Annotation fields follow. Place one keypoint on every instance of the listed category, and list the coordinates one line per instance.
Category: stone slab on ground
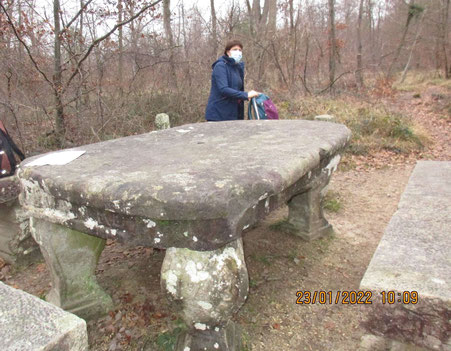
(29, 323)
(414, 255)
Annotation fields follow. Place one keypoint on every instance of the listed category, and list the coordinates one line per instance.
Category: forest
(78, 72)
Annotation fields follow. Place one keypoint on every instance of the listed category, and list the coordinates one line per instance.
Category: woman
(227, 95)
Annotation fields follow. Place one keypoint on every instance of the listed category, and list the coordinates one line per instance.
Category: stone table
(192, 190)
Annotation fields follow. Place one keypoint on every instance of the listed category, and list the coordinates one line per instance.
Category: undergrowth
(419, 80)
(373, 126)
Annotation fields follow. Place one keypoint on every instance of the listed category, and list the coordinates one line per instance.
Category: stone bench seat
(414, 255)
(192, 190)
(29, 323)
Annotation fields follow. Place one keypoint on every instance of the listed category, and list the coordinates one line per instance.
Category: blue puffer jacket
(227, 91)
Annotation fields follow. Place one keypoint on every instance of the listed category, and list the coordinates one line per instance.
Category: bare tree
(214, 30)
(406, 67)
(121, 46)
(358, 73)
(57, 75)
(413, 11)
(444, 35)
(332, 42)
(56, 82)
(170, 39)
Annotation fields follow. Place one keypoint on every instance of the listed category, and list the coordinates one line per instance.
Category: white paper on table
(57, 158)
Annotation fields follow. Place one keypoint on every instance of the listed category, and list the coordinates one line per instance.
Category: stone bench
(29, 323)
(16, 244)
(414, 255)
(192, 190)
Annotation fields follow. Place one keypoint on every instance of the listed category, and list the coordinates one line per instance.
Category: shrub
(373, 126)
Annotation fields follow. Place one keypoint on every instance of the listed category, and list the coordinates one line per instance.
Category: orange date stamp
(354, 297)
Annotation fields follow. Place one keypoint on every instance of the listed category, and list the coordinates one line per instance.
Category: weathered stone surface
(162, 121)
(16, 244)
(28, 323)
(72, 258)
(209, 287)
(178, 186)
(414, 255)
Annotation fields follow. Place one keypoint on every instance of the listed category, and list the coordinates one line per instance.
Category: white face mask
(236, 55)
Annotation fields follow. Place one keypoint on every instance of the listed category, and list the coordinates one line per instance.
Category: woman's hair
(230, 44)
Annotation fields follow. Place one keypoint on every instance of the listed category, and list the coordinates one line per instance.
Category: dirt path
(279, 265)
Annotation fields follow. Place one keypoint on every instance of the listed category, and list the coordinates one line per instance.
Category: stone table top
(195, 186)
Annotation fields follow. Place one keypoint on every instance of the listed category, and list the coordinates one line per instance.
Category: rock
(162, 121)
(29, 323)
(325, 118)
(372, 343)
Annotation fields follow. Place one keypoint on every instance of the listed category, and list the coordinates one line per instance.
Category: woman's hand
(252, 94)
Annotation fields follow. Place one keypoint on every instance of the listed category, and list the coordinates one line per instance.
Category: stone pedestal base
(209, 287)
(305, 216)
(17, 247)
(72, 258)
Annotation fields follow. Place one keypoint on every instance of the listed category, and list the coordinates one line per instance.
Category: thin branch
(11, 109)
(102, 38)
(66, 27)
(25, 46)
(331, 84)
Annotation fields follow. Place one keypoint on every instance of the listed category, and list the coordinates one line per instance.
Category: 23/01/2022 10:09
(353, 297)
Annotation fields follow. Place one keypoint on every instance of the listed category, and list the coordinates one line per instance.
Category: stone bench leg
(72, 257)
(209, 286)
(305, 210)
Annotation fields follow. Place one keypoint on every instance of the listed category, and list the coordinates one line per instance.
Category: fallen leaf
(41, 267)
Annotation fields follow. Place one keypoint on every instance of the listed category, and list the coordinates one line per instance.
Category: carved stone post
(209, 286)
(16, 244)
(72, 258)
(305, 210)
(162, 121)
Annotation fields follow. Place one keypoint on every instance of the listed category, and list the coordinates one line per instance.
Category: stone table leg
(72, 258)
(305, 210)
(209, 286)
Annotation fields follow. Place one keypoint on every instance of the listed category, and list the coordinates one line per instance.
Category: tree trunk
(170, 38)
(251, 18)
(401, 43)
(358, 73)
(332, 42)
(214, 31)
(272, 18)
(406, 68)
(120, 72)
(445, 42)
(185, 46)
(57, 77)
